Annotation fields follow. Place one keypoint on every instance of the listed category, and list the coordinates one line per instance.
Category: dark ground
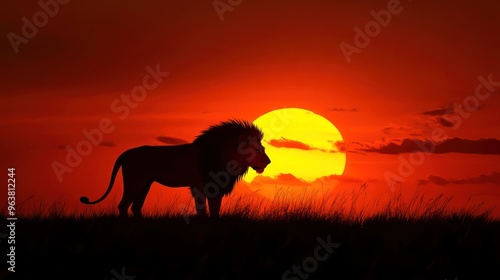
(242, 248)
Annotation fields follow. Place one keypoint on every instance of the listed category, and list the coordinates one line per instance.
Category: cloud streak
(343, 110)
(492, 178)
(171, 140)
(294, 144)
(401, 130)
(108, 144)
(281, 179)
(290, 144)
(288, 179)
(483, 146)
(444, 122)
(438, 112)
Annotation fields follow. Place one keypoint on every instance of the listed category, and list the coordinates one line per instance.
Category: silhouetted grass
(420, 239)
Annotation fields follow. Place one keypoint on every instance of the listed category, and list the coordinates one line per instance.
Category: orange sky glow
(128, 73)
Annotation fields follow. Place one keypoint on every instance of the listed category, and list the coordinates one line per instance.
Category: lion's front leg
(200, 202)
(214, 206)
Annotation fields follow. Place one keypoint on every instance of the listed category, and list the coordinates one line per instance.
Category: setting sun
(301, 145)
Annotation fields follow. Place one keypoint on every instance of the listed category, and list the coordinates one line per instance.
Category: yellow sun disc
(301, 143)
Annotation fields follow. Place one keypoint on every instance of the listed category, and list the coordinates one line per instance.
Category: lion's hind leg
(139, 200)
(125, 203)
(133, 187)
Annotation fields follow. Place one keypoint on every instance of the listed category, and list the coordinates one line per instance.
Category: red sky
(264, 55)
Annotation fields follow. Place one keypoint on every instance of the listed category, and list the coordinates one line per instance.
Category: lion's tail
(116, 167)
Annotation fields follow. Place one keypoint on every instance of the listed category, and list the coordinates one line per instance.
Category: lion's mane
(218, 145)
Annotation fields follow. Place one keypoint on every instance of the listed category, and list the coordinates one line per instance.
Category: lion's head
(232, 147)
(254, 154)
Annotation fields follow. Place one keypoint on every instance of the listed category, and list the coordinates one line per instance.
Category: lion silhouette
(210, 166)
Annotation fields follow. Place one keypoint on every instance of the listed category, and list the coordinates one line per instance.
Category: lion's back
(161, 160)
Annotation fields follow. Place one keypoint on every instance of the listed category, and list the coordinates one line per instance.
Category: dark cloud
(438, 112)
(492, 178)
(103, 143)
(108, 144)
(343, 110)
(446, 110)
(294, 144)
(290, 144)
(171, 140)
(481, 146)
(351, 147)
(340, 145)
(281, 179)
(387, 130)
(438, 180)
(444, 122)
(401, 130)
(342, 179)
(291, 180)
